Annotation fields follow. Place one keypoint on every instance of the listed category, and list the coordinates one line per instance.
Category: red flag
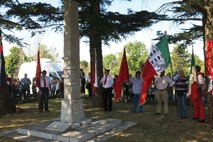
(148, 72)
(209, 58)
(122, 77)
(93, 76)
(38, 70)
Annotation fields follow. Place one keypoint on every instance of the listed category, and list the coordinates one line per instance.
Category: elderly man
(162, 83)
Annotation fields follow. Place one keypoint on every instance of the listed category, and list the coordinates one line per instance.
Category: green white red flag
(192, 91)
(158, 61)
(122, 77)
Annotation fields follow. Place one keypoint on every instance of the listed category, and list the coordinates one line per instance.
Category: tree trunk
(209, 36)
(6, 103)
(96, 46)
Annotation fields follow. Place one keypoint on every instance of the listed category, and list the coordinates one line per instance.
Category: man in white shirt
(162, 83)
(107, 84)
(44, 91)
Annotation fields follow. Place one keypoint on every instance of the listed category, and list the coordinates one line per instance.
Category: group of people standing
(18, 88)
(162, 84)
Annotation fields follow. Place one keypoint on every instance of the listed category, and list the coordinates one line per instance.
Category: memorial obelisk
(72, 106)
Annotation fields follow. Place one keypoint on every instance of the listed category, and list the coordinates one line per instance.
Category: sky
(54, 40)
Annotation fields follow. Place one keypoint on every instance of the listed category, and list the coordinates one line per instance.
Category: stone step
(115, 131)
(79, 134)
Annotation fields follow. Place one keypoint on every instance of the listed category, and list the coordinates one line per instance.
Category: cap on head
(107, 70)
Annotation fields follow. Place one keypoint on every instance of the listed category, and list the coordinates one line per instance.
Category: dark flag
(38, 70)
(2, 64)
(122, 77)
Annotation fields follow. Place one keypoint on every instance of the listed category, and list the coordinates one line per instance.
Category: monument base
(100, 130)
(72, 111)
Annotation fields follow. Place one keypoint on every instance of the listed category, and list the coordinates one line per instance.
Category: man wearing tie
(107, 84)
(44, 91)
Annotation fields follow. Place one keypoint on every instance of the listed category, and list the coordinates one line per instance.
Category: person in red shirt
(198, 106)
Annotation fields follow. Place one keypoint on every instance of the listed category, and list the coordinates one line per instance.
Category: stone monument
(72, 111)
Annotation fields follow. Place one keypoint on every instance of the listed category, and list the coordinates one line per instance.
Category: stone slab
(58, 126)
(96, 131)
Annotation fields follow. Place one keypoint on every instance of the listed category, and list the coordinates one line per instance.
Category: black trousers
(43, 99)
(107, 99)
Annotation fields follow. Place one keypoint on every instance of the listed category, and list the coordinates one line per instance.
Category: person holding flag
(196, 81)
(107, 84)
(44, 88)
(158, 61)
(137, 83)
(199, 113)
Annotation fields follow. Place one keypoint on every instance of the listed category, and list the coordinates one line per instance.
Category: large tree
(190, 10)
(96, 23)
(6, 103)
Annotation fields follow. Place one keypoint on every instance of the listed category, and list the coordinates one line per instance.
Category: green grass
(150, 127)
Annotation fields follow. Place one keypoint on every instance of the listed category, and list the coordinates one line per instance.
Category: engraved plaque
(77, 108)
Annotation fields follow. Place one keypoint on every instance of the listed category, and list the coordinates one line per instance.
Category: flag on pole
(192, 91)
(94, 78)
(122, 77)
(38, 69)
(209, 58)
(2, 63)
(158, 61)
(209, 64)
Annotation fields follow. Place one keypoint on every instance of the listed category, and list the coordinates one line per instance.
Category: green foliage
(84, 65)
(180, 59)
(13, 61)
(111, 62)
(136, 55)
(182, 12)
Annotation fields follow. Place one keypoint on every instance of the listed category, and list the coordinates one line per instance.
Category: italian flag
(158, 61)
(192, 91)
